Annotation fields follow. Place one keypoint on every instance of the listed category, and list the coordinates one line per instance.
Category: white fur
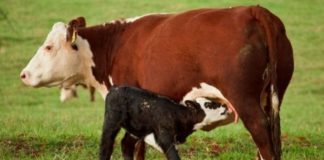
(133, 19)
(205, 90)
(111, 80)
(150, 139)
(62, 65)
(261, 156)
(211, 115)
(275, 100)
(209, 91)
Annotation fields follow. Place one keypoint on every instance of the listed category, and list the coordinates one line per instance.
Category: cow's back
(169, 54)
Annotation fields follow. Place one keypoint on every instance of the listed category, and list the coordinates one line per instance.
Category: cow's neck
(103, 40)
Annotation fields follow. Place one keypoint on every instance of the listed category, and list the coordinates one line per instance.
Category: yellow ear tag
(73, 37)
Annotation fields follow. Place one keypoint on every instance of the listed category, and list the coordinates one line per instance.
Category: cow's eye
(48, 47)
(212, 105)
(74, 46)
(208, 105)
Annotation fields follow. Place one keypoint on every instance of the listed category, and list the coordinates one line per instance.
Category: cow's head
(62, 59)
(215, 114)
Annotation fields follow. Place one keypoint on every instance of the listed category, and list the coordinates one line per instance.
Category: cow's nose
(24, 74)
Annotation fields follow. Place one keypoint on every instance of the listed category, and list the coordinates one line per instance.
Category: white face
(212, 115)
(56, 62)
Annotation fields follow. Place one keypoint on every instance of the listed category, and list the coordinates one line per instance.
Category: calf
(158, 120)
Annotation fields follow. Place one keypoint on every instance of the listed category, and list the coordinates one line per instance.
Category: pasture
(34, 124)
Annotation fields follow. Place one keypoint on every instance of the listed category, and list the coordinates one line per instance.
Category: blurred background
(34, 124)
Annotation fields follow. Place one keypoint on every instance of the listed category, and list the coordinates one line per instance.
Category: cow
(160, 121)
(243, 50)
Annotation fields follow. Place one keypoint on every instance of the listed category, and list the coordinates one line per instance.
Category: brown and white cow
(243, 51)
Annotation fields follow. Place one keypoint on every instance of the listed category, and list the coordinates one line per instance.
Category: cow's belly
(174, 73)
(174, 78)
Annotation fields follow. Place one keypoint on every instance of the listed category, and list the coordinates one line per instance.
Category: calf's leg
(140, 150)
(107, 142)
(111, 127)
(128, 146)
(166, 142)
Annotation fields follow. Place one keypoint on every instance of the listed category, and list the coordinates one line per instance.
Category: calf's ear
(191, 104)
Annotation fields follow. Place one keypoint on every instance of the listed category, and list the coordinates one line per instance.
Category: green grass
(35, 125)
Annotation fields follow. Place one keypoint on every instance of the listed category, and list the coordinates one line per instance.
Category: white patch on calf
(211, 115)
(145, 105)
(150, 139)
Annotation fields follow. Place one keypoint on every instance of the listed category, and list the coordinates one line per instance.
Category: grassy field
(35, 125)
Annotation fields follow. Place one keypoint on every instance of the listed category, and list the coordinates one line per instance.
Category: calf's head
(63, 59)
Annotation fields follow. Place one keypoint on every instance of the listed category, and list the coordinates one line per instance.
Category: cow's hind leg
(257, 124)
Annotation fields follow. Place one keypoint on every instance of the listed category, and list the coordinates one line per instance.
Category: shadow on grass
(22, 146)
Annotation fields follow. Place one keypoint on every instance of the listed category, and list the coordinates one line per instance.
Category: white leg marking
(261, 156)
(275, 100)
(150, 139)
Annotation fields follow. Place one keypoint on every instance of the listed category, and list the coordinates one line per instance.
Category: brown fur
(103, 42)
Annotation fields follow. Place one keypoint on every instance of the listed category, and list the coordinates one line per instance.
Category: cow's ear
(78, 22)
(72, 30)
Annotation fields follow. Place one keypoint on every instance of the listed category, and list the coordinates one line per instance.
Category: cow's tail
(273, 29)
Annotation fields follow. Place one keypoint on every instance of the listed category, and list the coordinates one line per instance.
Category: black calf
(158, 120)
